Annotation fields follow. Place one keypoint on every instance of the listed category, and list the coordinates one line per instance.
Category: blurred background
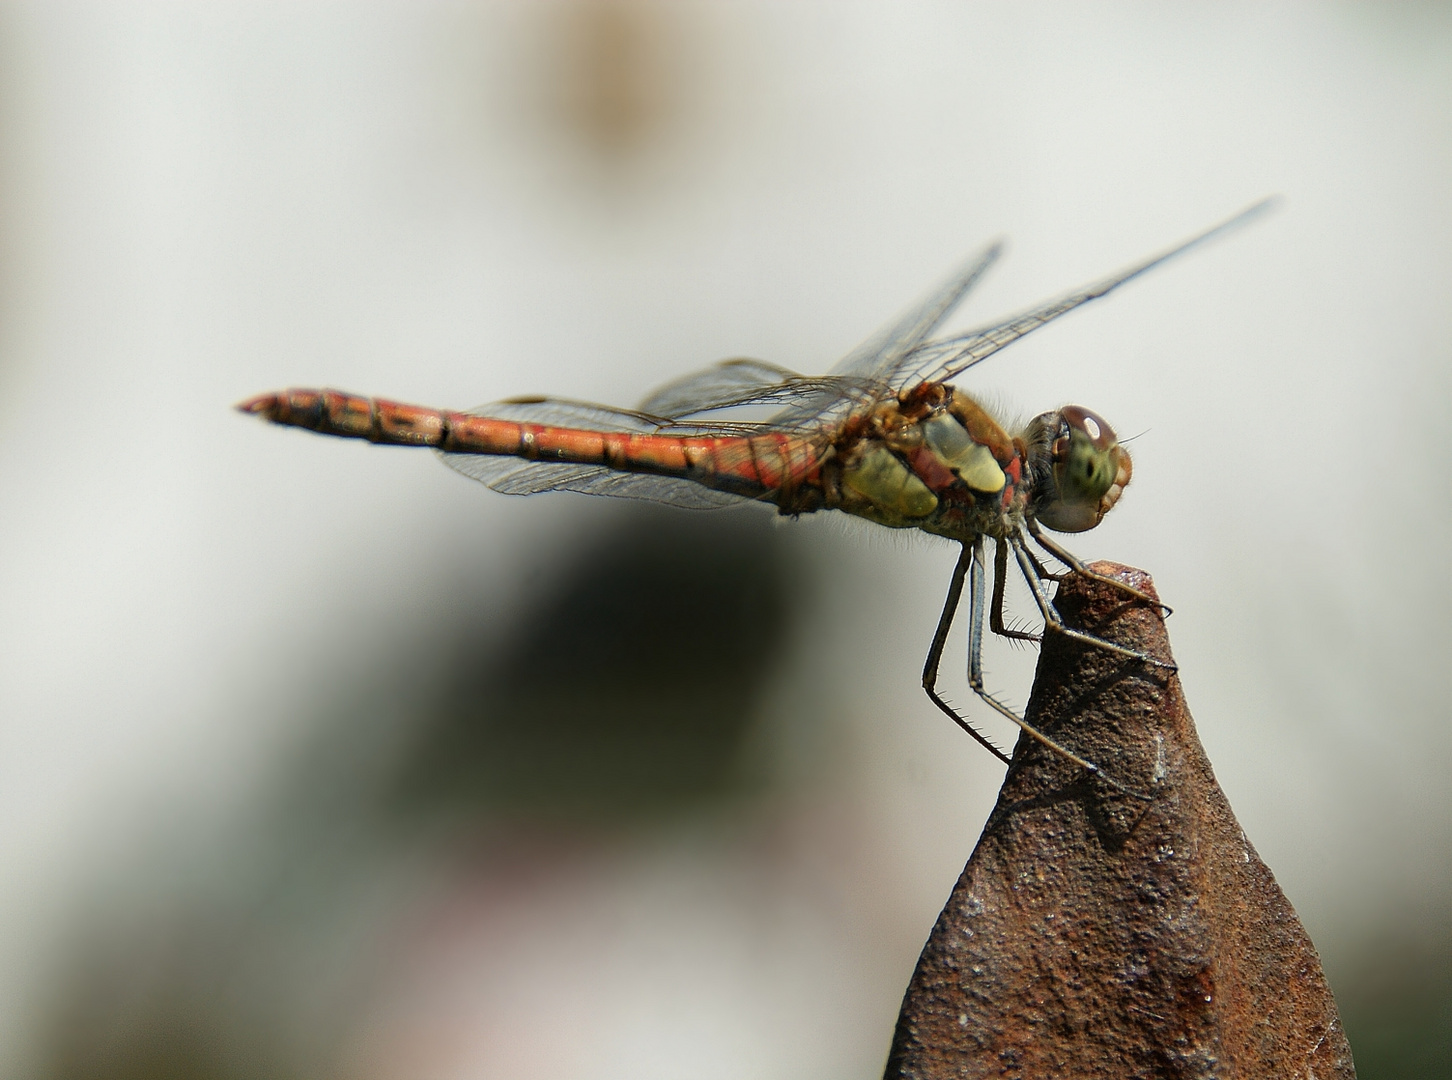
(318, 760)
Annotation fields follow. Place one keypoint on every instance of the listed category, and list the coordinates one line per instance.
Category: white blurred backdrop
(225, 646)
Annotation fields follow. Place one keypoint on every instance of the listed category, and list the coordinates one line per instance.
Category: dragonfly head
(1082, 469)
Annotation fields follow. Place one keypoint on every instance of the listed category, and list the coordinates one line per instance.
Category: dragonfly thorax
(936, 460)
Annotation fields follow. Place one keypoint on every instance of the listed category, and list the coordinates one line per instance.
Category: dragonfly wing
(744, 384)
(720, 386)
(562, 412)
(941, 361)
(513, 476)
(880, 354)
(811, 401)
(864, 375)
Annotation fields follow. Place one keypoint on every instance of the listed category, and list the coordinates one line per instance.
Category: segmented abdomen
(749, 465)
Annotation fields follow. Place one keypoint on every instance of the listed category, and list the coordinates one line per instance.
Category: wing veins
(945, 359)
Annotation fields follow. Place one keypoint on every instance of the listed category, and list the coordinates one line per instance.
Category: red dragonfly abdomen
(750, 465)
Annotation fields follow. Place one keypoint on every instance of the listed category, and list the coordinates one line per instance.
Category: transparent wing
(562, 412)
(724, 385)
(738, 384)
(880, 354)
(516, 476)
(808, 400)
(865, 375)
(941, 361)
(513, 476)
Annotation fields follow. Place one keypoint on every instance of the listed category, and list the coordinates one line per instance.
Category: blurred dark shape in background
(629, 688)
(613, 98)
(624, 698)
(1396, 1001)
(613, 83)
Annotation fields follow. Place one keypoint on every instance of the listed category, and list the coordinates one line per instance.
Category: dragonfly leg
(1045, 574)
(1069, 559)
(977, 594)
(1051, 617)
(995, 613)
(940, 639)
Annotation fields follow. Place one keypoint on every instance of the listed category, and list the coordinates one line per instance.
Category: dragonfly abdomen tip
(262, 405)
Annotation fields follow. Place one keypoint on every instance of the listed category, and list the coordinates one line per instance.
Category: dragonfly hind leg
(977, 594)
(995, 612)
(935, 652)
(970, 565)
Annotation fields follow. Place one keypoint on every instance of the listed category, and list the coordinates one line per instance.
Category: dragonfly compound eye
(1090, 471)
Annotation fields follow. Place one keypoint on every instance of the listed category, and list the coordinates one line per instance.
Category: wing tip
(1270, 204)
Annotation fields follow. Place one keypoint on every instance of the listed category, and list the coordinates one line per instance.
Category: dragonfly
(884, 436)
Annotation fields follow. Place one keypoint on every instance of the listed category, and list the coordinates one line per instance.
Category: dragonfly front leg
(940, 639)
(995, 613)
(1051, 617)
(1069, 559)
(1045, 574)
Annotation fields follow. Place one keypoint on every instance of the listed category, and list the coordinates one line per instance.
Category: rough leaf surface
(1096, 935)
